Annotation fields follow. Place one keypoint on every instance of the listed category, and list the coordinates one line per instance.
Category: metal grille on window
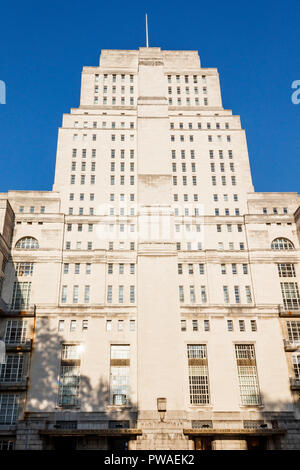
(119, 374)
(198, 374)
(247, 372)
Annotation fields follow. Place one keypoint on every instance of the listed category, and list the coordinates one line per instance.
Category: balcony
(295, 383)
(21, 385)
(22, 347)
(290, 346)
(293, 311)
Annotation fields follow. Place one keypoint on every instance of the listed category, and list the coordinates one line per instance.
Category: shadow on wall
(50, 361)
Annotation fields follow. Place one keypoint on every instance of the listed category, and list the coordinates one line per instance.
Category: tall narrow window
(192, 294)
(68, 392)
(198, 374)
(181, 294)
(119, 374)
(109, 294)
(247, 373)
(8, 408)
(248, 294)
(121, 294)
(21, 295)
(75, 294)
(226, 294)
(132, 294)
(290, 295)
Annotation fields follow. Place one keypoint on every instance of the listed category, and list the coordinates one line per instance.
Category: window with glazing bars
(24, 269)
(119, 374)
(12, 370)
(198, 374)
(286, 270)
(296, 365)
(15, 331)
(8, 408)
(290, 295)
(69, 381)
(247, 373)
(21, 295)
(293, 329)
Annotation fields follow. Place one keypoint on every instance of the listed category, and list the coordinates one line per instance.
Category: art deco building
(150, 301)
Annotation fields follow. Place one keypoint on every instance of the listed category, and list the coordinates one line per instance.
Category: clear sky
(44, 45)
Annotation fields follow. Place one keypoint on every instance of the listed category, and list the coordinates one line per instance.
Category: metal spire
(147, 39)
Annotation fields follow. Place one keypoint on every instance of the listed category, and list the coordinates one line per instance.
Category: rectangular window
(229, 325)
(12, 370)
(290, 295)
(248, 294)
(198, 374)
(68, 392)
(237, 294)
(8, 408)
(24, 269)
(75, 294)
(109, 294)
(286, 270)
(192, 294)
(119, 374)
(121, 294)
(247, 373)
(195, 325)
(21, 295)
(64, 294)
(132, 294)
(181, 294)
(242, 325)
(226, 294)
(253, 325)
(86, 294)
(203, 295)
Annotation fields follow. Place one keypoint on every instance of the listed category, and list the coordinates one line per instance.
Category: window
(242, 325)
(203, 294)
(286, 270)
(247, 373)
(27, 243)
(282, 244)
(290, 295)
(68, 392)
(12, 370)
(75, 294)
(253, 325)
(206, 325)
(296, 365)
(86, 294)
(201, 268)
(248, 294)
(195, 325)
(237, 294)
(61, 325)
(226, 294)
(16, 331)
(229, 325)
(119, 374)
(121, 294)
(8, 408)
(198, 374)
(245, 268)
(24, 269)
(132, 294)
(21, 295)
(181, 294)
(64, 294)
(223, 268)
(192, 294)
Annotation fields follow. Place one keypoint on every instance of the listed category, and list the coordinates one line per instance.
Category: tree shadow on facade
(87, 420)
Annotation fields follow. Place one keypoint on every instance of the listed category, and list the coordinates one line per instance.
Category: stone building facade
(151, 300)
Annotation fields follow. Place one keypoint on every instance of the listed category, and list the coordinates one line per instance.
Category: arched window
(282, 244)
(27, 243)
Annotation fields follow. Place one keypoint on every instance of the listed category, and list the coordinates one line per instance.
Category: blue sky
(44, 45)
